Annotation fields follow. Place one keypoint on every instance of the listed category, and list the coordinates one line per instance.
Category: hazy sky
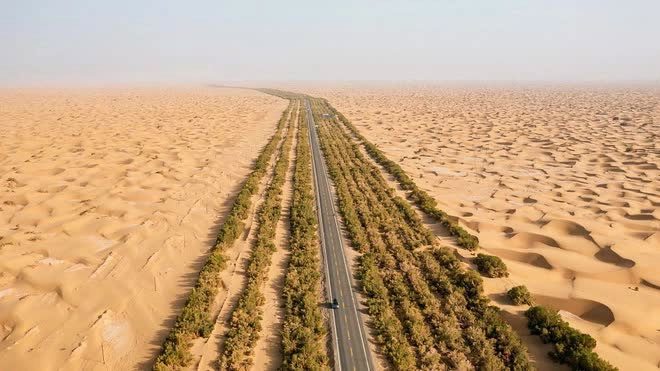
(124, 41)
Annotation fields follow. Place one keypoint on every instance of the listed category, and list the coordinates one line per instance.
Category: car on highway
(335, 303)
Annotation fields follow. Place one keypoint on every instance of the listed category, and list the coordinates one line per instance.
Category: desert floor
(109, 200)
(561, 182)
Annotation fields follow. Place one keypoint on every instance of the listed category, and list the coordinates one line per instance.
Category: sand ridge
(561, 182)
(109, 200)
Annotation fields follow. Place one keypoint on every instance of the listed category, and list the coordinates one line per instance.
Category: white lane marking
(322, 235)
(341, 243)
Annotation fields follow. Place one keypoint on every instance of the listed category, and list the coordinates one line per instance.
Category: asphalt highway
(349, 340)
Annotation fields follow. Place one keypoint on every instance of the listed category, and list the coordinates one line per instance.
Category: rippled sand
(563, 183)
(109, 200)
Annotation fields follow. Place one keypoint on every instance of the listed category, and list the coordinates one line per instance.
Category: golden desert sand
(562, 183)
(109, 200)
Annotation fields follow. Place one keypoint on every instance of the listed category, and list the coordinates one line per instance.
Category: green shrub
(570, 346)
(508, 345)
(491, 266)
(519, 295)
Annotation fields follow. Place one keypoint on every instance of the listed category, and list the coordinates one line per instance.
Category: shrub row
(463, 290)
(245, 322)
(303, 330)
(491, 266)
(427, 312)
(195, 318)
(569, 346)
(387, 233)
(387, 326)
(446, 279)
(422, 199)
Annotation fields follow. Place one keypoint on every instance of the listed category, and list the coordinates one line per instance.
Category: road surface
(349, 340)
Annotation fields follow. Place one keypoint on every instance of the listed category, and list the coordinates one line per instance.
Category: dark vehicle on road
(335, 303)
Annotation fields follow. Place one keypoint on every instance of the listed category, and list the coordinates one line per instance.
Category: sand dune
(563, 183)
(109, 200)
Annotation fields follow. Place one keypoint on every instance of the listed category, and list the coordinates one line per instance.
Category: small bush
(519, 295)
(491, 266)
(570, 346)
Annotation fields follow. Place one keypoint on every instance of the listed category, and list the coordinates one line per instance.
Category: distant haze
(89, 42)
